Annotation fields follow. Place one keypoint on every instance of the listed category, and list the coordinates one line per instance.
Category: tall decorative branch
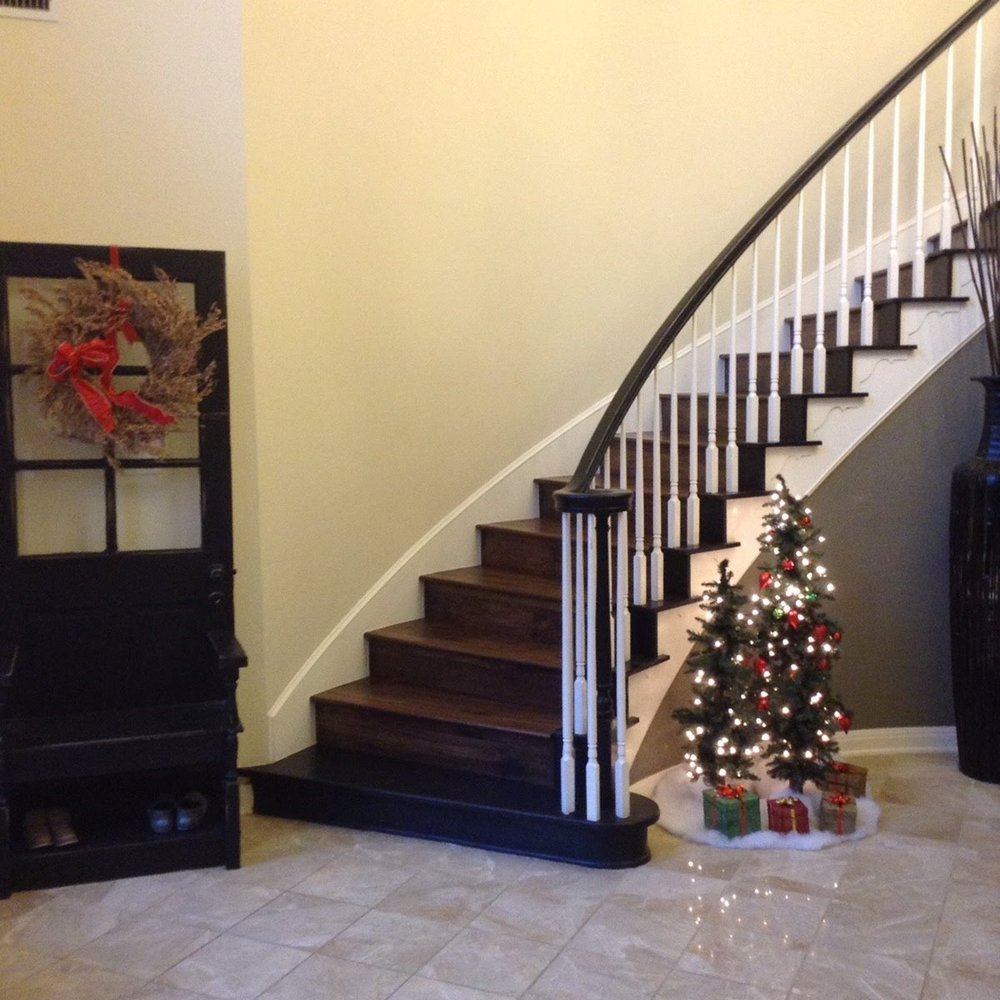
(981, 225)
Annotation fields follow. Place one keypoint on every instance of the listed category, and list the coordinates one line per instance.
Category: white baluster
(622, 558)
(580, 647)
(918, 237)
(567, 773)
(639, 558)
(867, 305)
(819, 351)
(774, 397)
(712, 447)
(656, 553)
(797, 352)
(621, 676)
(753, 430)
(674, 503)
(732, 449)
(693, 501)
(844, 302)
(892, 274)
(944, 241)
(593, 769)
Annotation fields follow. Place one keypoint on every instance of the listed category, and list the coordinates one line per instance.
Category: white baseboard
(867, 743)
(902, 739)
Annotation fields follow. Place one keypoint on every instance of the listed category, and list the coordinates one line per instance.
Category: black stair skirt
(375, 793)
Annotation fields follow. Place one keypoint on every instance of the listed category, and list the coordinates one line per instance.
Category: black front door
(114, 564)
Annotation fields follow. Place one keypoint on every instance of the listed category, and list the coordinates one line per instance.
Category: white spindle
(593, 769)
(819, 350)
(656, 552)
(621, 674)
(753, 430)
(693, 502)
(797, 352)
(892, 274)
(712, 447)
(774, 397)
(732, 449)
(567, 773)
(867, 305)
(674, 503)
(639, 559)
(844, 302)
(622, 553)
(918, 237)
(944, 241)
(580, 646)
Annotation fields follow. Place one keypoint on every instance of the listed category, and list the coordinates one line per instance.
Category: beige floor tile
(490, 961)
(546, 916)
(70, 979)
(321, 977)
(440, 895)
(356, 877)
(857, 975)
(58, 927)
(215, 902)
(393, 940)
(233, 968)
(144, 947)
(684, 986)
(567, 978)
(299, 921)
(417, 988)
(157, 991)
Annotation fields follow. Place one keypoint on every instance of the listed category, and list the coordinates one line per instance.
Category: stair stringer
(937, 330)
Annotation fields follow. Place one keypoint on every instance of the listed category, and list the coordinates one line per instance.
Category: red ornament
(836, 637)
(845, 724)
(762, 704)
(764, 580)
(819, 633)
(807, 520)
(788, 565)
(759, 666)
(794, 618)
(824, 664)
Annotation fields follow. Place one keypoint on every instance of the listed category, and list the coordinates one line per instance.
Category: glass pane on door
(159, 509)
(60, 511)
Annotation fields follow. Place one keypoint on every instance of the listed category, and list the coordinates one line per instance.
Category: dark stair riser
(839, 372)
(537, 554)
(485, 819)
(516, 756)
(794, 410)
(488, 677)
(493, 611)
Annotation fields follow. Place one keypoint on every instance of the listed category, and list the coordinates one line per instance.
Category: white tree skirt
(682, 813)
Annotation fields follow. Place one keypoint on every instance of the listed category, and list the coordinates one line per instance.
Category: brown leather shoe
(63, 834)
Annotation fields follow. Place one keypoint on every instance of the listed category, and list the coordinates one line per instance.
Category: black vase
(975, 598)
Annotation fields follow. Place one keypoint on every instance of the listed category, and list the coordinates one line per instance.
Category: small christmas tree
(796, 644)
(720, 726)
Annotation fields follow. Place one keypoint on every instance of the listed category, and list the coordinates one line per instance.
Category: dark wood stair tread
(506, 581)
(393, 698)
(453, 639)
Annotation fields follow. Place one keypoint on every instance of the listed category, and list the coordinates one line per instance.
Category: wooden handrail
(614, 415)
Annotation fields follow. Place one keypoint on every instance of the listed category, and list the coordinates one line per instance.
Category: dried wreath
(72, 349)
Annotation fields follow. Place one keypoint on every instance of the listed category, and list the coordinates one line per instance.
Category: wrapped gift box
(787, 815)
(732, 810)
(838, 813)
(848, 779)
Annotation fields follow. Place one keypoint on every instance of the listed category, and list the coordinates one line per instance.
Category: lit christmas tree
(720, 726)
(796, 644)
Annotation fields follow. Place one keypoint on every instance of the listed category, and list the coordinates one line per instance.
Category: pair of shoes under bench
(49, 828)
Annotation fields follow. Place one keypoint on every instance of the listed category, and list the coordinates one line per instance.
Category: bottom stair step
(374, 793)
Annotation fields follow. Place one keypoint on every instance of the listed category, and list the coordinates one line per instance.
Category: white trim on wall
(899, 739)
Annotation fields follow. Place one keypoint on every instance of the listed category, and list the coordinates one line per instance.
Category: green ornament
(812, 596)
(778, 613)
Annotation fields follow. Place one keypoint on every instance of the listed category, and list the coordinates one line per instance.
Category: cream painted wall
(123, 123)
(466, 218)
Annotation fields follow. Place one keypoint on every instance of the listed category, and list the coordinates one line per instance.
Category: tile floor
(912, 913)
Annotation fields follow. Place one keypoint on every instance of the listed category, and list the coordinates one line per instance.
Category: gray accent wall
(884, 513)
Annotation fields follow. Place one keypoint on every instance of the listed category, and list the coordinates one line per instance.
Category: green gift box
(838, 813)
(848, 779)
(732, 810)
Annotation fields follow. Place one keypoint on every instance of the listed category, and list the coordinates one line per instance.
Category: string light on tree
(722, 728)
(797, 641)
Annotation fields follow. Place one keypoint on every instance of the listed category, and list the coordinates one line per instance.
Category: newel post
(604, 707)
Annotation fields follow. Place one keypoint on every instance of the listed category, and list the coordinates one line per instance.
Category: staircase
(459, 732)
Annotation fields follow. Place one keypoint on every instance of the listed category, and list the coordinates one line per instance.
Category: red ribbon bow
(839, 800)
(731, 791)
(99, 357)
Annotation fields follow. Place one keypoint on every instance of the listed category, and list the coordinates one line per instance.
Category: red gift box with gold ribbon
(787, 815)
